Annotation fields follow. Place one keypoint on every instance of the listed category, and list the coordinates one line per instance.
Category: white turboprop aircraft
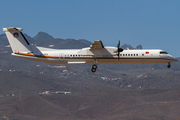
(95, 54)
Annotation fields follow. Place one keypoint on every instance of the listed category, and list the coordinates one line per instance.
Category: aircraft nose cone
(174, 59)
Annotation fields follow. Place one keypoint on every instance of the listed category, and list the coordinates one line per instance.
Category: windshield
(163, 52)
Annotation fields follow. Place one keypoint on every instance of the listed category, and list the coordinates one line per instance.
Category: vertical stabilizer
(17, 40)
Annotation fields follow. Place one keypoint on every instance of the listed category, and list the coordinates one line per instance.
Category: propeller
(119, 49)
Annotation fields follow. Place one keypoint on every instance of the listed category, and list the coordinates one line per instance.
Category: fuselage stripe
(43, 56)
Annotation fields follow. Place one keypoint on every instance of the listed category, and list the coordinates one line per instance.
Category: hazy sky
(151, 23)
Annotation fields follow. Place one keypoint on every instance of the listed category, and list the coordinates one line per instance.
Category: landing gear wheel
(169, 65)
(93, 70)
(94, 66)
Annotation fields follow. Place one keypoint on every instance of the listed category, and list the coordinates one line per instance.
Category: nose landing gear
(169, 65)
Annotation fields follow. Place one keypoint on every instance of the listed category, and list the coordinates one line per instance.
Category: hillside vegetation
(114, 92)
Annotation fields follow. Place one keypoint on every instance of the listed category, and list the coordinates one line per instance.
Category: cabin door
(61, 56)
(142, 56)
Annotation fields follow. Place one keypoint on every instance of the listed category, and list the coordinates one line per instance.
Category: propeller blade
(118, 44)
(119, 49)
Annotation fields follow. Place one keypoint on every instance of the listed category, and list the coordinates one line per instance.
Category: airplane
(97, 53)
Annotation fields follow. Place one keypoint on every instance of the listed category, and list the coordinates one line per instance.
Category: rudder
(17, 40)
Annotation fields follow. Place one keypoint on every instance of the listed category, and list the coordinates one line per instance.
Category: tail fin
(17, 40)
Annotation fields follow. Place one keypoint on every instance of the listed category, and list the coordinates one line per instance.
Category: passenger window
(128, 54)
(136, 54)
(142, 54)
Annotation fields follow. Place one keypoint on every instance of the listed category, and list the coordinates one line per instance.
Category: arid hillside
(31, 90)
(102, 104)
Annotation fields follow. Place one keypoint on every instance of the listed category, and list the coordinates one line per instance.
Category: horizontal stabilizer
(12, 29)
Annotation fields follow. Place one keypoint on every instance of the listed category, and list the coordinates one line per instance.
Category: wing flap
(77, 62)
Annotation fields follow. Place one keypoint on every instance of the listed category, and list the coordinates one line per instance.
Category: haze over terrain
(114, 92)
(154, 24)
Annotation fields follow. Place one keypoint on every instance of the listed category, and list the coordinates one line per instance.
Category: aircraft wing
(97, 45)
(96, 49)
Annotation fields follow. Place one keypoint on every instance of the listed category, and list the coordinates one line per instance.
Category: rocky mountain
(139, 47)
(126, 46)
(102, 104)
(42, 36)
(3, 40)
(120, 91)
(45, 40)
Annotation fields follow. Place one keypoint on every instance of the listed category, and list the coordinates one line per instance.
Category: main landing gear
(169, 65)
(94, 66)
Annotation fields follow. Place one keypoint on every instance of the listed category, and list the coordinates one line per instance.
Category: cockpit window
(163, 52)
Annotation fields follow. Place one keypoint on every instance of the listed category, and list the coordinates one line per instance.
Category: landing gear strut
(169, 65)
(94, 66)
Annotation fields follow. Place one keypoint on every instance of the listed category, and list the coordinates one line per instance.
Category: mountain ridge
(45, 40)
(115, 91)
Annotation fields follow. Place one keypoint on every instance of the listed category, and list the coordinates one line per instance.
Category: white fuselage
(95, 54)
(107, 55)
